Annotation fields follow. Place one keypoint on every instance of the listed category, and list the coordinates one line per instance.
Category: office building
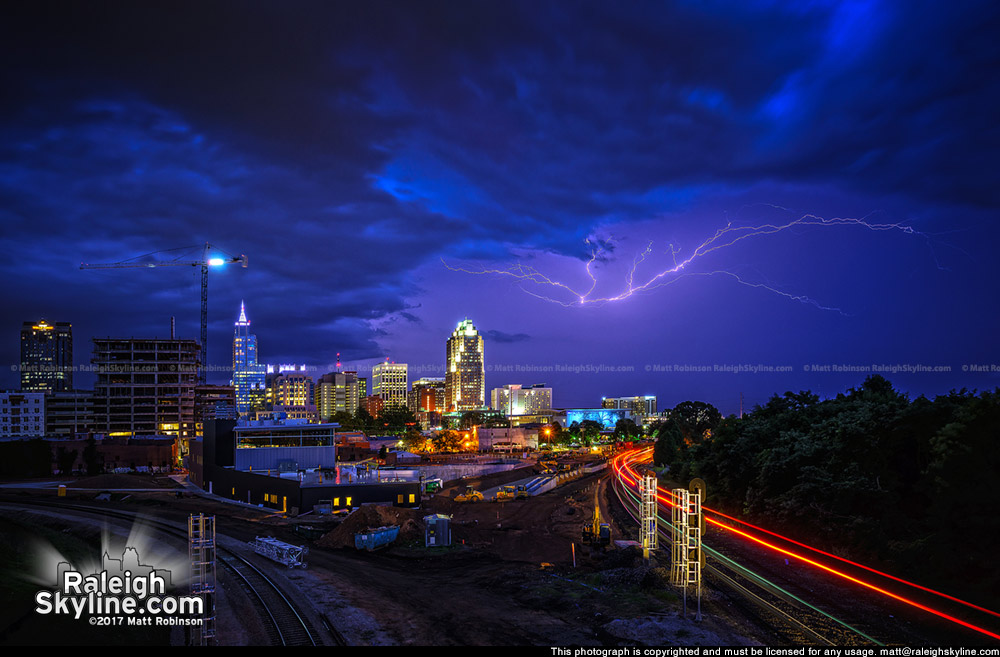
(248, 375)
(465, 374)
(46, 356)
(513, 400)
(389, 382)
(336, 392)
(427, 395)
(145, 387)
(289, 385)
(645, 405)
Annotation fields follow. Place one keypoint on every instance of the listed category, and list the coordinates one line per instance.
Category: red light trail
(626, 473)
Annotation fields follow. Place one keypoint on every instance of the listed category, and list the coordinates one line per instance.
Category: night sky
(361, 153)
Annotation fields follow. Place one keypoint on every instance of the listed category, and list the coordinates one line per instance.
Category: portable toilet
(438, 532)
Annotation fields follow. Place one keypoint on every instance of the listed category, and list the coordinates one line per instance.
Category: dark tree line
(910, 483)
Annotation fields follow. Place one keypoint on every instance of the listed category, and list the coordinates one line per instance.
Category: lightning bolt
(634, 282)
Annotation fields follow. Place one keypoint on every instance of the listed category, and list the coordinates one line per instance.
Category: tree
(590, 431)
(471, 419)
(625, 430)
(447, 441)
(363, 420)
(695, 420)
(668, 442)
(65, 458)
(90, 460)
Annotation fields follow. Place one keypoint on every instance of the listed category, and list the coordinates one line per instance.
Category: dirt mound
(370, 516)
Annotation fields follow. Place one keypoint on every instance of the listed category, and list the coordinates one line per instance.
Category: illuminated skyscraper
(248, 375)
(465, 376)
(389, 382)
(336, 392)
(46, 357)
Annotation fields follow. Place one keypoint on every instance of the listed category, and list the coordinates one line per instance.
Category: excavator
(597, 534)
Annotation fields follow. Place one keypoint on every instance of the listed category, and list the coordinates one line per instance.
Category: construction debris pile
(371, 516)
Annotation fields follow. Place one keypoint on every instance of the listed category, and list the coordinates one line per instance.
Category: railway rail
(784, 614)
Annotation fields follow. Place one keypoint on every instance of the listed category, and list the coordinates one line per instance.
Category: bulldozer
(504, 494)
(470, 495)
(522, 493)
(596, 534)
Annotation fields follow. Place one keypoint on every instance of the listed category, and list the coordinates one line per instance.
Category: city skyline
(587, 148)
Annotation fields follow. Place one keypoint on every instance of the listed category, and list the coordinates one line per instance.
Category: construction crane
(210, 257)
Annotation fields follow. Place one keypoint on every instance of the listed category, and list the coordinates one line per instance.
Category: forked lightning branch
(119, 600)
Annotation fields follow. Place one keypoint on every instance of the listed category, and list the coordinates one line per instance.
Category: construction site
(506, 567)
(550, 552)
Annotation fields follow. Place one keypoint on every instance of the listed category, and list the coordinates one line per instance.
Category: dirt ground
(488, 588)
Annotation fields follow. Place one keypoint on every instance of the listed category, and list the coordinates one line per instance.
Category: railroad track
(788, 617)
(283, 624)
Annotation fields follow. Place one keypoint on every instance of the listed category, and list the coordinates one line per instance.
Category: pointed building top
(243, 321)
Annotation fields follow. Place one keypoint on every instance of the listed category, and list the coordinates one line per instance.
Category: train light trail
(842, 559)
(628, 474)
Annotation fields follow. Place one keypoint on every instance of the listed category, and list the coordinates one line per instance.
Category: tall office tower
(145, 387)
(645, 405)
(389, 382)
(46, 356)
(336, 392)
(465, 374)
(516, 399)
(426, 395)
(248, 374)
(362, 388)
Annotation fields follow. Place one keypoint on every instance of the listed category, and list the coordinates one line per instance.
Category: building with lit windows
(389, 381)
(289, 385)
(145, 387)
(427, 395)
(426, 400)
(645, 405)
(46, 356)
(513, 400)
(465, 373)
(336, 392)
(248, 375)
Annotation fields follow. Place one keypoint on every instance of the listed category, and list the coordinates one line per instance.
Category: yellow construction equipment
(470, 495)
(522, 493)
(505, 494)
(597, 534)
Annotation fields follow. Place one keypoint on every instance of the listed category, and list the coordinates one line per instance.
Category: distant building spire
(242, 321)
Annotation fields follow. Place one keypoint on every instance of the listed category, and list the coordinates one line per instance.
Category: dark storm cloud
(344, 145)
(507, 338)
